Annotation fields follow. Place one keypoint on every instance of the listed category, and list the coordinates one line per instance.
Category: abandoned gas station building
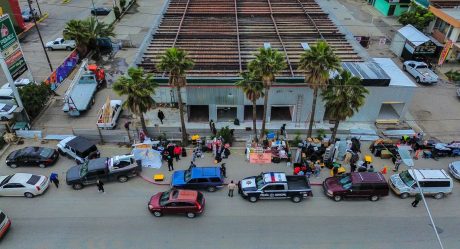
(222, 36)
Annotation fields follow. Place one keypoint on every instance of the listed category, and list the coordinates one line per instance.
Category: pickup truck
(420, 71)
(105, 169)
(60, 44)
(274, 185)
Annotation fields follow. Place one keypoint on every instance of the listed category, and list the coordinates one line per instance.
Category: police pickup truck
(274, 185)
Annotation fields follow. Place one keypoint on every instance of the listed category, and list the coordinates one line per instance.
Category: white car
(6, 111)
(420, 71)
(23, 184)
(454, 169)
(18, 83)
(60, 44)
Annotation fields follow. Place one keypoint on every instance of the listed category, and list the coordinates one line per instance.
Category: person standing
(223, 169)
(211, 125)
(54, 179)
(177, 152)
(231, 188)
(100, 186)
(397, 163)
(317, 169)
(352, 167)
(161, 116)
(170, 162)
(418, 198)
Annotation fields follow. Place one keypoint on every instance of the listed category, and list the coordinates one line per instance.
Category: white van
(434, 182)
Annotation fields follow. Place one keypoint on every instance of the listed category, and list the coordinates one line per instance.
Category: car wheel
(296, 199)
(122, 178)
(68, 48)
(191, 215)
(13, 165)
(28, 195)
(438, 196)
(404, 195)
(50, 48)
(417, 80)
(337, 198)
(404, 68)
(77, 186)
(41, 165)
(253, 199)
(374, 198)
(211, 189)
(157, 214)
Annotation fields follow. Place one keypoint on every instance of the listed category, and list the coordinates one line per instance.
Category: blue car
(209, 178)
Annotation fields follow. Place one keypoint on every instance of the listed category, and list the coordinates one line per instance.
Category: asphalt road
(64, 218)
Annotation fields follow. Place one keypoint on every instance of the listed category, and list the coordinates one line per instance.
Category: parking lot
(65, 218)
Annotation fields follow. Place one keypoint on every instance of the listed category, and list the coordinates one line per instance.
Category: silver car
(454, 169)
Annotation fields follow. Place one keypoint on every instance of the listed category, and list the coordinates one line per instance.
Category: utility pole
(38, 6)
(41, 39)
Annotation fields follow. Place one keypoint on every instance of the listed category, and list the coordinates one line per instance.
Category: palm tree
(176, 62)
(85, 32)
(317, 63)
(265, 66)
(139, 88)
(343, 97)
(254, 90)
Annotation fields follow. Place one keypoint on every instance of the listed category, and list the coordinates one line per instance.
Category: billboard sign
(11, 49)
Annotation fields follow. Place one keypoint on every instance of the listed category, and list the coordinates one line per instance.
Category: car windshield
(6, 108)
(187, 175)
(46, 152)
(164, 198)
(259, 181)
(6, 180)
(345, 182)
(406, 178)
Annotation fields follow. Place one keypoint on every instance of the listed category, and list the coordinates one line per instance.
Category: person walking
(161, 116)
(170, 162)
(100, 186)
(231, 188)
(177, 152)
(397, 163)
(317, 169)
(223, 169)
(371, 169)
(418, 198)
(54, 179)
(352, 167)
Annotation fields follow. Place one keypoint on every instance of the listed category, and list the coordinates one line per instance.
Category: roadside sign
(11, 49)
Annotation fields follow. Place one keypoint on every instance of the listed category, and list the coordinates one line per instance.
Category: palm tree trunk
(182, 121)
(144, 127)
(313, 110)
(254, 117)
(334, 131)
(262, 130)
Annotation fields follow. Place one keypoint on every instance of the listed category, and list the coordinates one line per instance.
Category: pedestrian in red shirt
(177, 152)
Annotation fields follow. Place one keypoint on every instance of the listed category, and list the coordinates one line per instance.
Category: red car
(177, 201)
(5, 223)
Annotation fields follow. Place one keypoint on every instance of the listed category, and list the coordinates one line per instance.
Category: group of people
(308, 168)
(172, 151)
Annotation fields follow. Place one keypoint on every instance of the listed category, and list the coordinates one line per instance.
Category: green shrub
(123, 4)
(226, 134)
(34, 98)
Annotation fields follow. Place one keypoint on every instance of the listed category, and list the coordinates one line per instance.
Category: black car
(32, 156)
(100, 11)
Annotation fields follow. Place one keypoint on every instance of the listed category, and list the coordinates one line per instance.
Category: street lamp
(407, 159)
(40, 36)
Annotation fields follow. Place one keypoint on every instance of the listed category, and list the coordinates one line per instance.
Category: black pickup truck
(274, 185)
(105, 169)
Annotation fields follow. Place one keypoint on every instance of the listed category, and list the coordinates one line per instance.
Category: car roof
(367, 177)
(198, 172)
(31, 150)
(183, 195)
(80, 144)
(429, 174)
(21, 177)
(274, 177)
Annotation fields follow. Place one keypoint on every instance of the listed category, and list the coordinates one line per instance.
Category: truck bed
(81, 95)
(297, 183)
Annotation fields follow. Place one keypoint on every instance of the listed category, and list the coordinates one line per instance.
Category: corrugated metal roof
(398, 77)
(413, 35)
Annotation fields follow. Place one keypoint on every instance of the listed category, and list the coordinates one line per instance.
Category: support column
(240, 113)
(213, 112)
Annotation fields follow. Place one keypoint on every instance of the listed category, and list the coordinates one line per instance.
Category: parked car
(434, 182)
(18, 83)
(370, 185)
(5, 223)
(60, 44)
(274, 185)
(420, 71)
(6, 94)
(78, 148)
(105, 169)
(100, 11)
(7, 111)
(32, 156)
(177, 201)
(454, 169)
(29, 15)
(209, 178)
(23, 184)
(109, 114)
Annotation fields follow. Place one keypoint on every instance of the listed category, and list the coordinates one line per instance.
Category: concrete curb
(2, 152)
